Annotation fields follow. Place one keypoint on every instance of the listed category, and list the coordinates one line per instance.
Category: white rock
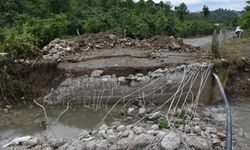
(171, 141)
(121, 128)
(139, 75)
(131, 111)
(102, 145)
(103, 127)
(155, 115)
(91, 144)
(142, 110)
(196, 119)
(142, 140)
(68, 49)
(138, 129)
(187, 128)
(155, 127)
(197, 129)
(152, 132)
(122, 79)
(17, 141)
(199, 143)
(144, 79)
(211, 130)
(97, 73)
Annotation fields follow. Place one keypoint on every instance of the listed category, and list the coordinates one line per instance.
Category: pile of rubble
(57, 49)
(199, 133)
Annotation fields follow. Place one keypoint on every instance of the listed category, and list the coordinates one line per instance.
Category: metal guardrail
(229, 115)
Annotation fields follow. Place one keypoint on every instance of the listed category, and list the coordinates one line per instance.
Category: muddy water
(22, 121)
(241, 121)
(241, 117)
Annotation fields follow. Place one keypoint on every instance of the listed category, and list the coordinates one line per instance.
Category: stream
(241, 120)
(27, 121)
(20, 121)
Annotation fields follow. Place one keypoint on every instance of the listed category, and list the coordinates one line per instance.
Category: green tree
(20, 44)
(247, 8)
(205, 11)
(142, 4)
(60, 6)
(245, 20)
(182, 10)
(235, 22)
(150, 2)
(9, 9)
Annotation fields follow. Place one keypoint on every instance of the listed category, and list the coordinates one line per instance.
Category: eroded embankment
(22, 82)
(238, 83)
(63, 73)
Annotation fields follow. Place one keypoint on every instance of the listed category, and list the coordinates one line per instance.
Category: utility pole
(215, 45)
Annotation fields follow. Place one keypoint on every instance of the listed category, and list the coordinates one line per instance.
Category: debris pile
(57, 49)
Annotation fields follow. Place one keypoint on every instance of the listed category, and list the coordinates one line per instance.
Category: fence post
(215, 45)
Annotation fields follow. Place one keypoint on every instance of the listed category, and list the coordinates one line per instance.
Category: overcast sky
(196, 5)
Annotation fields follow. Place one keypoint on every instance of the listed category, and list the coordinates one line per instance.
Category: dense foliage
(26, 25)
(245, 20)
(205, 10)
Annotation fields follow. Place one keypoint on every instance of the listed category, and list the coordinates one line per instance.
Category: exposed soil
(238, 84)
(25, 82)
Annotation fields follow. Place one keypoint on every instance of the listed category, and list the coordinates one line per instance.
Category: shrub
(20, 45)
(162, 123)
(48, 29)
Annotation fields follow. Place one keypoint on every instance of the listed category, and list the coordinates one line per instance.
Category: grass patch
(236, 50)
(162, 123)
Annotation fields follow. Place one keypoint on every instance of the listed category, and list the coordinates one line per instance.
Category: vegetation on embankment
(236, 53)
(12, 90)
(21, 83)
(245, 20)
(236, 50)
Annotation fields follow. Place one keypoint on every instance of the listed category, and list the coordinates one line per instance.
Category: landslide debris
(57, 49)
